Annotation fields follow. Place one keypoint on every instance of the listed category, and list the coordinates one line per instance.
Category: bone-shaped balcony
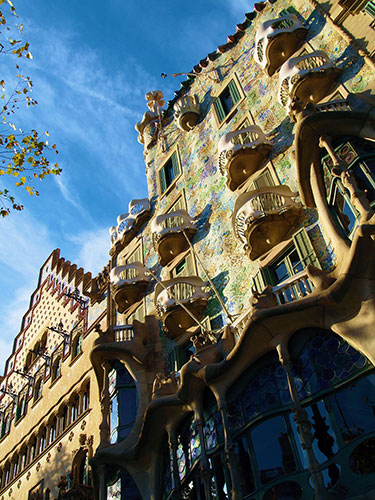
(277, 40)
(169, 296)
(308, 78)
(242, 153)
(168, 234)
(128, 284)
(264, 218)
(186, 112)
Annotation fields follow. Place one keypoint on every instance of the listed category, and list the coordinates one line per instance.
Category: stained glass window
(325, 361)
(266, 390)
(114, 491)
(195, 443)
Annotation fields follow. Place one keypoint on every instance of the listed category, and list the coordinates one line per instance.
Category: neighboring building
(49, 422)
(235, 322)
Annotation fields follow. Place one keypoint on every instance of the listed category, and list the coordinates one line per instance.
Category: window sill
(170, 187)
(73, 360)
(36, 401)
(16, 422)
(54, 381)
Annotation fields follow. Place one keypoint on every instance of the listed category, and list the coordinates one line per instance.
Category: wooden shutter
(264, 180)
(136, 256)
(163, 180)
(175, 165)
(234, 92)
(305, 249)
(219, 110)
(262, 278)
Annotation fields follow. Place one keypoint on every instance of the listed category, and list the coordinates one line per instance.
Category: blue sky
(93, 63)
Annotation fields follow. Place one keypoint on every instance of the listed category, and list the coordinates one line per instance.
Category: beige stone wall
(48, 307)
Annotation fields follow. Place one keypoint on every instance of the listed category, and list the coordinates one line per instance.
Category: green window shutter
(219, 109)
(262, 278)
(234, 93)
(305, 249)
(163, 180)
(370, 8)
(175, 166)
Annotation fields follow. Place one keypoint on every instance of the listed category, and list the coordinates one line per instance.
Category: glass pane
(362, 460)
(242, 454)
(295, 262)
(344, 211)
(325, 361)
(272, 449)
(226, 100)
(114, 419)
(361, 397)
(281, 272)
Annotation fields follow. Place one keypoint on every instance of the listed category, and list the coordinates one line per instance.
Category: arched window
(86, 398)
(77, 345)
(52, 430)
(42, 440)
(74, 408)
(5, 427)
(38, 388)
(21, 407)
(63, 419)
(56, 368)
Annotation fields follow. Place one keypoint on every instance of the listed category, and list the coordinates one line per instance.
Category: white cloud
(93, 253)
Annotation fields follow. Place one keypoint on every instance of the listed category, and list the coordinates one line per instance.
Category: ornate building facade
(49, 422)
(234, 348)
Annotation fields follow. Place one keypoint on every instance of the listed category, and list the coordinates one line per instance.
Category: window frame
(174, 157)
(219, 112)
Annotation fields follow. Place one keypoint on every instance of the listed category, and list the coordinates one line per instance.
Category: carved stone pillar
(303, 426)
(204, 469)
(229, 452)
(102, 483)
(105, 407)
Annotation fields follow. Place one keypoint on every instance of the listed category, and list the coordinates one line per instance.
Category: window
(169, 172)
(74, 409)
(293, 261)
(86, 398)
(5, 427)
(227, 100)
(77, 345)
(56, 368)
(38, 389)
(21, 408)
(124, 402)
(52, 431)
(184, 268)
(263, 180)
(242, 138)
(358, 156)
(138, 314)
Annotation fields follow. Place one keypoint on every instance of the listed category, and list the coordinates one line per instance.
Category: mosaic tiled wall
(207, 197)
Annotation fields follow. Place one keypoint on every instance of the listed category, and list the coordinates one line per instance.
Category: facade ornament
(49, 457)
(83, 425)
(59, 446)
(186, 112)
(71, 436)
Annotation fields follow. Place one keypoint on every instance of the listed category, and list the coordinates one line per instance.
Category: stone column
(102, 483)
(105, 405)
(229, 452)
(303, 426)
